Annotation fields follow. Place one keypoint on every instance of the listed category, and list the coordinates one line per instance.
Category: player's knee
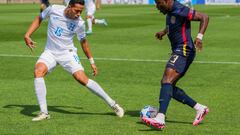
(89, 17)
(38, 73)
(40, 70)
(167, 80)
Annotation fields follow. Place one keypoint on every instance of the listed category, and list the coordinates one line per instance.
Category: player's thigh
(180, 63)
(176, 67)
(170, 76)
(81, 77)
(45, 63)
(70, 62)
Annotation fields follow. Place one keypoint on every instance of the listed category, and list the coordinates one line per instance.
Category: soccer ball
(148, 112)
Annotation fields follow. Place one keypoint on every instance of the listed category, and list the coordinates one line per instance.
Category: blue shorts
(180, 63)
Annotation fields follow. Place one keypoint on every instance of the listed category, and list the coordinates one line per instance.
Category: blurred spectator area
(28, 1)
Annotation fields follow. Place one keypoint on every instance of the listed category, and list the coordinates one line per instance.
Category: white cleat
(118, 110)
(105, 22)
(88, 32)
(154, 123)
(200, 115)
(41, 116)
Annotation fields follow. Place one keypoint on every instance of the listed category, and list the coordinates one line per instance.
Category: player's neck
(170, 4)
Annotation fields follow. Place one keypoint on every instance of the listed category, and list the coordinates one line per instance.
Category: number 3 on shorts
(174, 58)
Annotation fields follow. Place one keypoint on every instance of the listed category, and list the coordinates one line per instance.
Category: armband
(200, 36)
(91, 60)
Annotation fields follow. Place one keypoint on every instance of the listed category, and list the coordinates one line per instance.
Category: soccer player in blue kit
(178, 29)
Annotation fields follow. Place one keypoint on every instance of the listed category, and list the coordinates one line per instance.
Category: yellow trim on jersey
(185, 50)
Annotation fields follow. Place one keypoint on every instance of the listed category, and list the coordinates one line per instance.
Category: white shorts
(90, 9)
(69, 60)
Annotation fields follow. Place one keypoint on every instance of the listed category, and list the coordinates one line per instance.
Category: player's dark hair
(72, 2)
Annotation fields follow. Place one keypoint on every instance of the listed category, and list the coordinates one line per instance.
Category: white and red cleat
(153, 122)
(200, 115)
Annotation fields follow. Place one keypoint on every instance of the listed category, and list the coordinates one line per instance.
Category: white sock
(160, 118)
(89, 22)
(96, 89)
(40, 89)
(99, 21)
(198, 107)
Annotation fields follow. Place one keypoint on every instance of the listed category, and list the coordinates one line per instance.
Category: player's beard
(163, 11)
(69, 13)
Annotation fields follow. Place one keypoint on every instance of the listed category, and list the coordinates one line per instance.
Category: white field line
(131, 60)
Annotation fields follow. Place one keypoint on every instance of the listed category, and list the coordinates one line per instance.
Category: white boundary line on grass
(131, 60)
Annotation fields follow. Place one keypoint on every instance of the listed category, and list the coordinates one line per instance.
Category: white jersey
(61, 30)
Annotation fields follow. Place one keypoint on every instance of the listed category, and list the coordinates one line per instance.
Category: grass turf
(130, 35)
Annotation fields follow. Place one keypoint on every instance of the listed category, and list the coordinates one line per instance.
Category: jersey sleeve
(46, 13)
(185, 12)
(81, 32)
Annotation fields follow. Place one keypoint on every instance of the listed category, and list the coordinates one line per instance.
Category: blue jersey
(178, 22)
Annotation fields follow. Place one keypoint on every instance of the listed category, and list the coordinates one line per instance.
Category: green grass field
(212, 80)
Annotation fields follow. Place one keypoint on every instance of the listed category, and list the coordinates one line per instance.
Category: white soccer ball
(148, 112)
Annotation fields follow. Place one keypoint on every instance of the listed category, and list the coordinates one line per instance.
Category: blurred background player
(64, 23)
(98, 4)
(178, 29)
(90, 9)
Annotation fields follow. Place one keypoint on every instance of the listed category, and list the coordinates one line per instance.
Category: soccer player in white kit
(64, 23)
(90, 8)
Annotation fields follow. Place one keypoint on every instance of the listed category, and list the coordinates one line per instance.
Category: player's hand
(30, 43)
(159, 35)
(198, 44)
(94, 68)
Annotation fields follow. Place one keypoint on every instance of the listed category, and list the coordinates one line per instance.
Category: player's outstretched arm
(162, 33)
(204, 19)
(88, 53)
(33, 27)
